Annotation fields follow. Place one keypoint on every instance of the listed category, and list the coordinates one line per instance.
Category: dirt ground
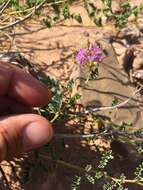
(53, 51)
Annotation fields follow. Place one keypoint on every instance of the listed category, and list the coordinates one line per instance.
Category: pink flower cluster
(92, 54)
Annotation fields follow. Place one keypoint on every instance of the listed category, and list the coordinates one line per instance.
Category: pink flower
(82, 56)
(93, 54)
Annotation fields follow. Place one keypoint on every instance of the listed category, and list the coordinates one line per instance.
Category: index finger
(22, 86)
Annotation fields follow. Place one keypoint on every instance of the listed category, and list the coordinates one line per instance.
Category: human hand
(20, 130)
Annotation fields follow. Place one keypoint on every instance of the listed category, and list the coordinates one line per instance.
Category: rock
(138, 60)
(120, 47)
(132, 62)
(138, 74)
(133, 58)
(131, 33)
(128, 59)
(131, 18)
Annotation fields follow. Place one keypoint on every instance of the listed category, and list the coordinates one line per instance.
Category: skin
(20, 130)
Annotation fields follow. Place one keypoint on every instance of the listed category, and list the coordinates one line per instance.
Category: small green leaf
(47, 21)
(70, 84)
(78, 18)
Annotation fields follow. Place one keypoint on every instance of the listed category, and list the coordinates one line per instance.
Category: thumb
(22, 133)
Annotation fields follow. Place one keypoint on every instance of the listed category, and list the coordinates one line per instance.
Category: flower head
(90, 55)
(82, 56)
(95, 53)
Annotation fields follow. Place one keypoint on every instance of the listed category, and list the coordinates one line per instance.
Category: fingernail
(34, 136)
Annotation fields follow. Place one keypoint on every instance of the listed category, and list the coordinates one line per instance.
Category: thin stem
(79, 136)
(55, 117)
(133, 181)
(4, 7)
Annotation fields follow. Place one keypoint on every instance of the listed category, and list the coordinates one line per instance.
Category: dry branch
(38, 7)
(4, 7)
(120, 105)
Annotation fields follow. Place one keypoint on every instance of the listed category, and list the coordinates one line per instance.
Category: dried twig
(11, 38)
(106, 133)
(78, 136)
(4, 7)
(26, 17)
(120, 105)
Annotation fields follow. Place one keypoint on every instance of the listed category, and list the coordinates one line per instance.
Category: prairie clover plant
(90, 58)
(63, 102)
